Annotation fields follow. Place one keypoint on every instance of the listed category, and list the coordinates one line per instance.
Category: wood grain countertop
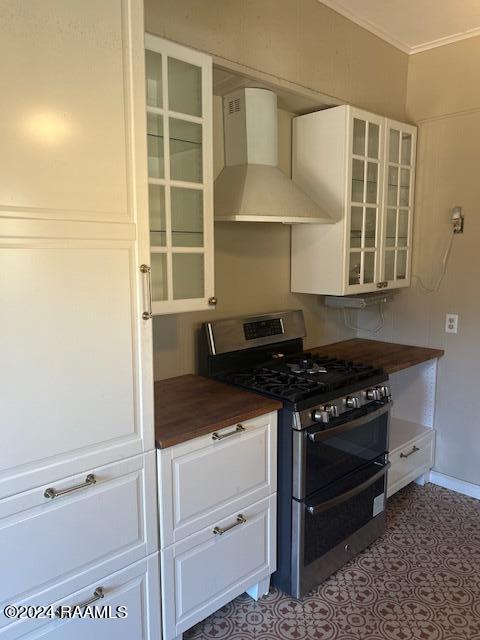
(190, 406)
(389, 356)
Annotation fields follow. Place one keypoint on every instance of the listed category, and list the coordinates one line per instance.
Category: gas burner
(306, 365)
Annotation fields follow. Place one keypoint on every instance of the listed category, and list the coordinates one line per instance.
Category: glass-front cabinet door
(179, 143)
(366, 144)
(398, 204)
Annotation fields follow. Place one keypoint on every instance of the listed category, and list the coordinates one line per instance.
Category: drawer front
(135, 590)
(207, 570)
(96, 528)
(409, 462)
(203, 480)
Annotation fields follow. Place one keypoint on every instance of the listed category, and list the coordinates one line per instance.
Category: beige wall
(444, 98)
(302, 41)
(305, 43)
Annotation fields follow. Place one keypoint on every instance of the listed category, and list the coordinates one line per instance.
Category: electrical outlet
(451, 323)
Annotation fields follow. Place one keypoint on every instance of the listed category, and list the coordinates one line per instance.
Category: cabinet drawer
(95, 529)
(135, 589)
(410, 461)
(204, 479)
(207, 570)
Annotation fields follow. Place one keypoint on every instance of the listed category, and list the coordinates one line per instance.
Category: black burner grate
(300, 377)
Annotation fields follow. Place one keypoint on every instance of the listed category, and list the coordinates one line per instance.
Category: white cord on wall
(457, 222)
(381, 321)
(446, 255)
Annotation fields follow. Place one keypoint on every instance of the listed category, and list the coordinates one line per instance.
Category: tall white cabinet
(360, 168)
(77, 464)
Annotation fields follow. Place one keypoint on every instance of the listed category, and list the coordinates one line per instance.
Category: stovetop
(303, 377)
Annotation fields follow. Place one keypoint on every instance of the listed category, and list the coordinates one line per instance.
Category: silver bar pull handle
(147, 291)
(219, 531)
(54, 493)
(221, 436)
(98, 594)
(410, 453)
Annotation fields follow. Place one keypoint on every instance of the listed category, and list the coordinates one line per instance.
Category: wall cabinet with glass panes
(360, 168)
(179, 140)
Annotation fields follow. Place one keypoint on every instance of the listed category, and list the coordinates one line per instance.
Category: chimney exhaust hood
(251, 187)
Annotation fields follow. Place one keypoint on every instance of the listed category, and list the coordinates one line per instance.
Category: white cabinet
(134, 590)
(70, 358)
(75, 524)
(412, 436)
(360, 168)
(207, 570)
(180, 176)
(76, 375)
(203, 480)
(411, 453)
(217, 496)
(64, 130)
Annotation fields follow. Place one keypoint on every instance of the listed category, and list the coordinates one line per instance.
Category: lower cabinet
(61, 541)
(210, 568)
(128, 610)
(217, 498)
(411, 453)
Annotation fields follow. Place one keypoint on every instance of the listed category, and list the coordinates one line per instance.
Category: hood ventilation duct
(251, 187)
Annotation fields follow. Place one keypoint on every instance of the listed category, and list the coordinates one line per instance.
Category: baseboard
(460, 486)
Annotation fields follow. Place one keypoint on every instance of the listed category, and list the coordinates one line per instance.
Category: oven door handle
(322, 434)
(315, 509)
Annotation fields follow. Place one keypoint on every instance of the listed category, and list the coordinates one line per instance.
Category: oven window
(328, 528)
(331, 458)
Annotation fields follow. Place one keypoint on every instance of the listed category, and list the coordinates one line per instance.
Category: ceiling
(413, 25)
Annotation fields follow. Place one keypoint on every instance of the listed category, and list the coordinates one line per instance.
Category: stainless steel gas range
(332, 440)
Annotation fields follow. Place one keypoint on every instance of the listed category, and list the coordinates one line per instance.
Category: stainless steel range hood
(251, 187)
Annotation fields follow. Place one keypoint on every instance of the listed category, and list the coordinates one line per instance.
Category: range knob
(373, 394)
(324, 413)
(352, 402)
(385, 392)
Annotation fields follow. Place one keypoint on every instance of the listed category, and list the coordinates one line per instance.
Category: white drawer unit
(203, 480)
(411, 453)
(134, 589)
(217, 496)
(93, 523)
(205, 571)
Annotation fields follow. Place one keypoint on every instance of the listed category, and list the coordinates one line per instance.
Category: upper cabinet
(180, 177)
(359, 167)
(65, 128)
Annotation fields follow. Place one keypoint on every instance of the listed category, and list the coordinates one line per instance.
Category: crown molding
(391, 39)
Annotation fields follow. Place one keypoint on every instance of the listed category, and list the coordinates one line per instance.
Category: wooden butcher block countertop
(190, 406)
(389, 356)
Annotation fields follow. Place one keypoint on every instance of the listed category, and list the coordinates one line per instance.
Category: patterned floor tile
(420, 581)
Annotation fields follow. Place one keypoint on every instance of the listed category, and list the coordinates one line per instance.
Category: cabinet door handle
(221, 436)
(219, 531)
(410, 453)
(147, 291)
(54, 493)
(98, 594)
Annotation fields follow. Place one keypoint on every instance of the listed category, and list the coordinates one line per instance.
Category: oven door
(333, 525)
(324, 455)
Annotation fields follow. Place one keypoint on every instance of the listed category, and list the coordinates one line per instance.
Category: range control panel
(263, 328)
